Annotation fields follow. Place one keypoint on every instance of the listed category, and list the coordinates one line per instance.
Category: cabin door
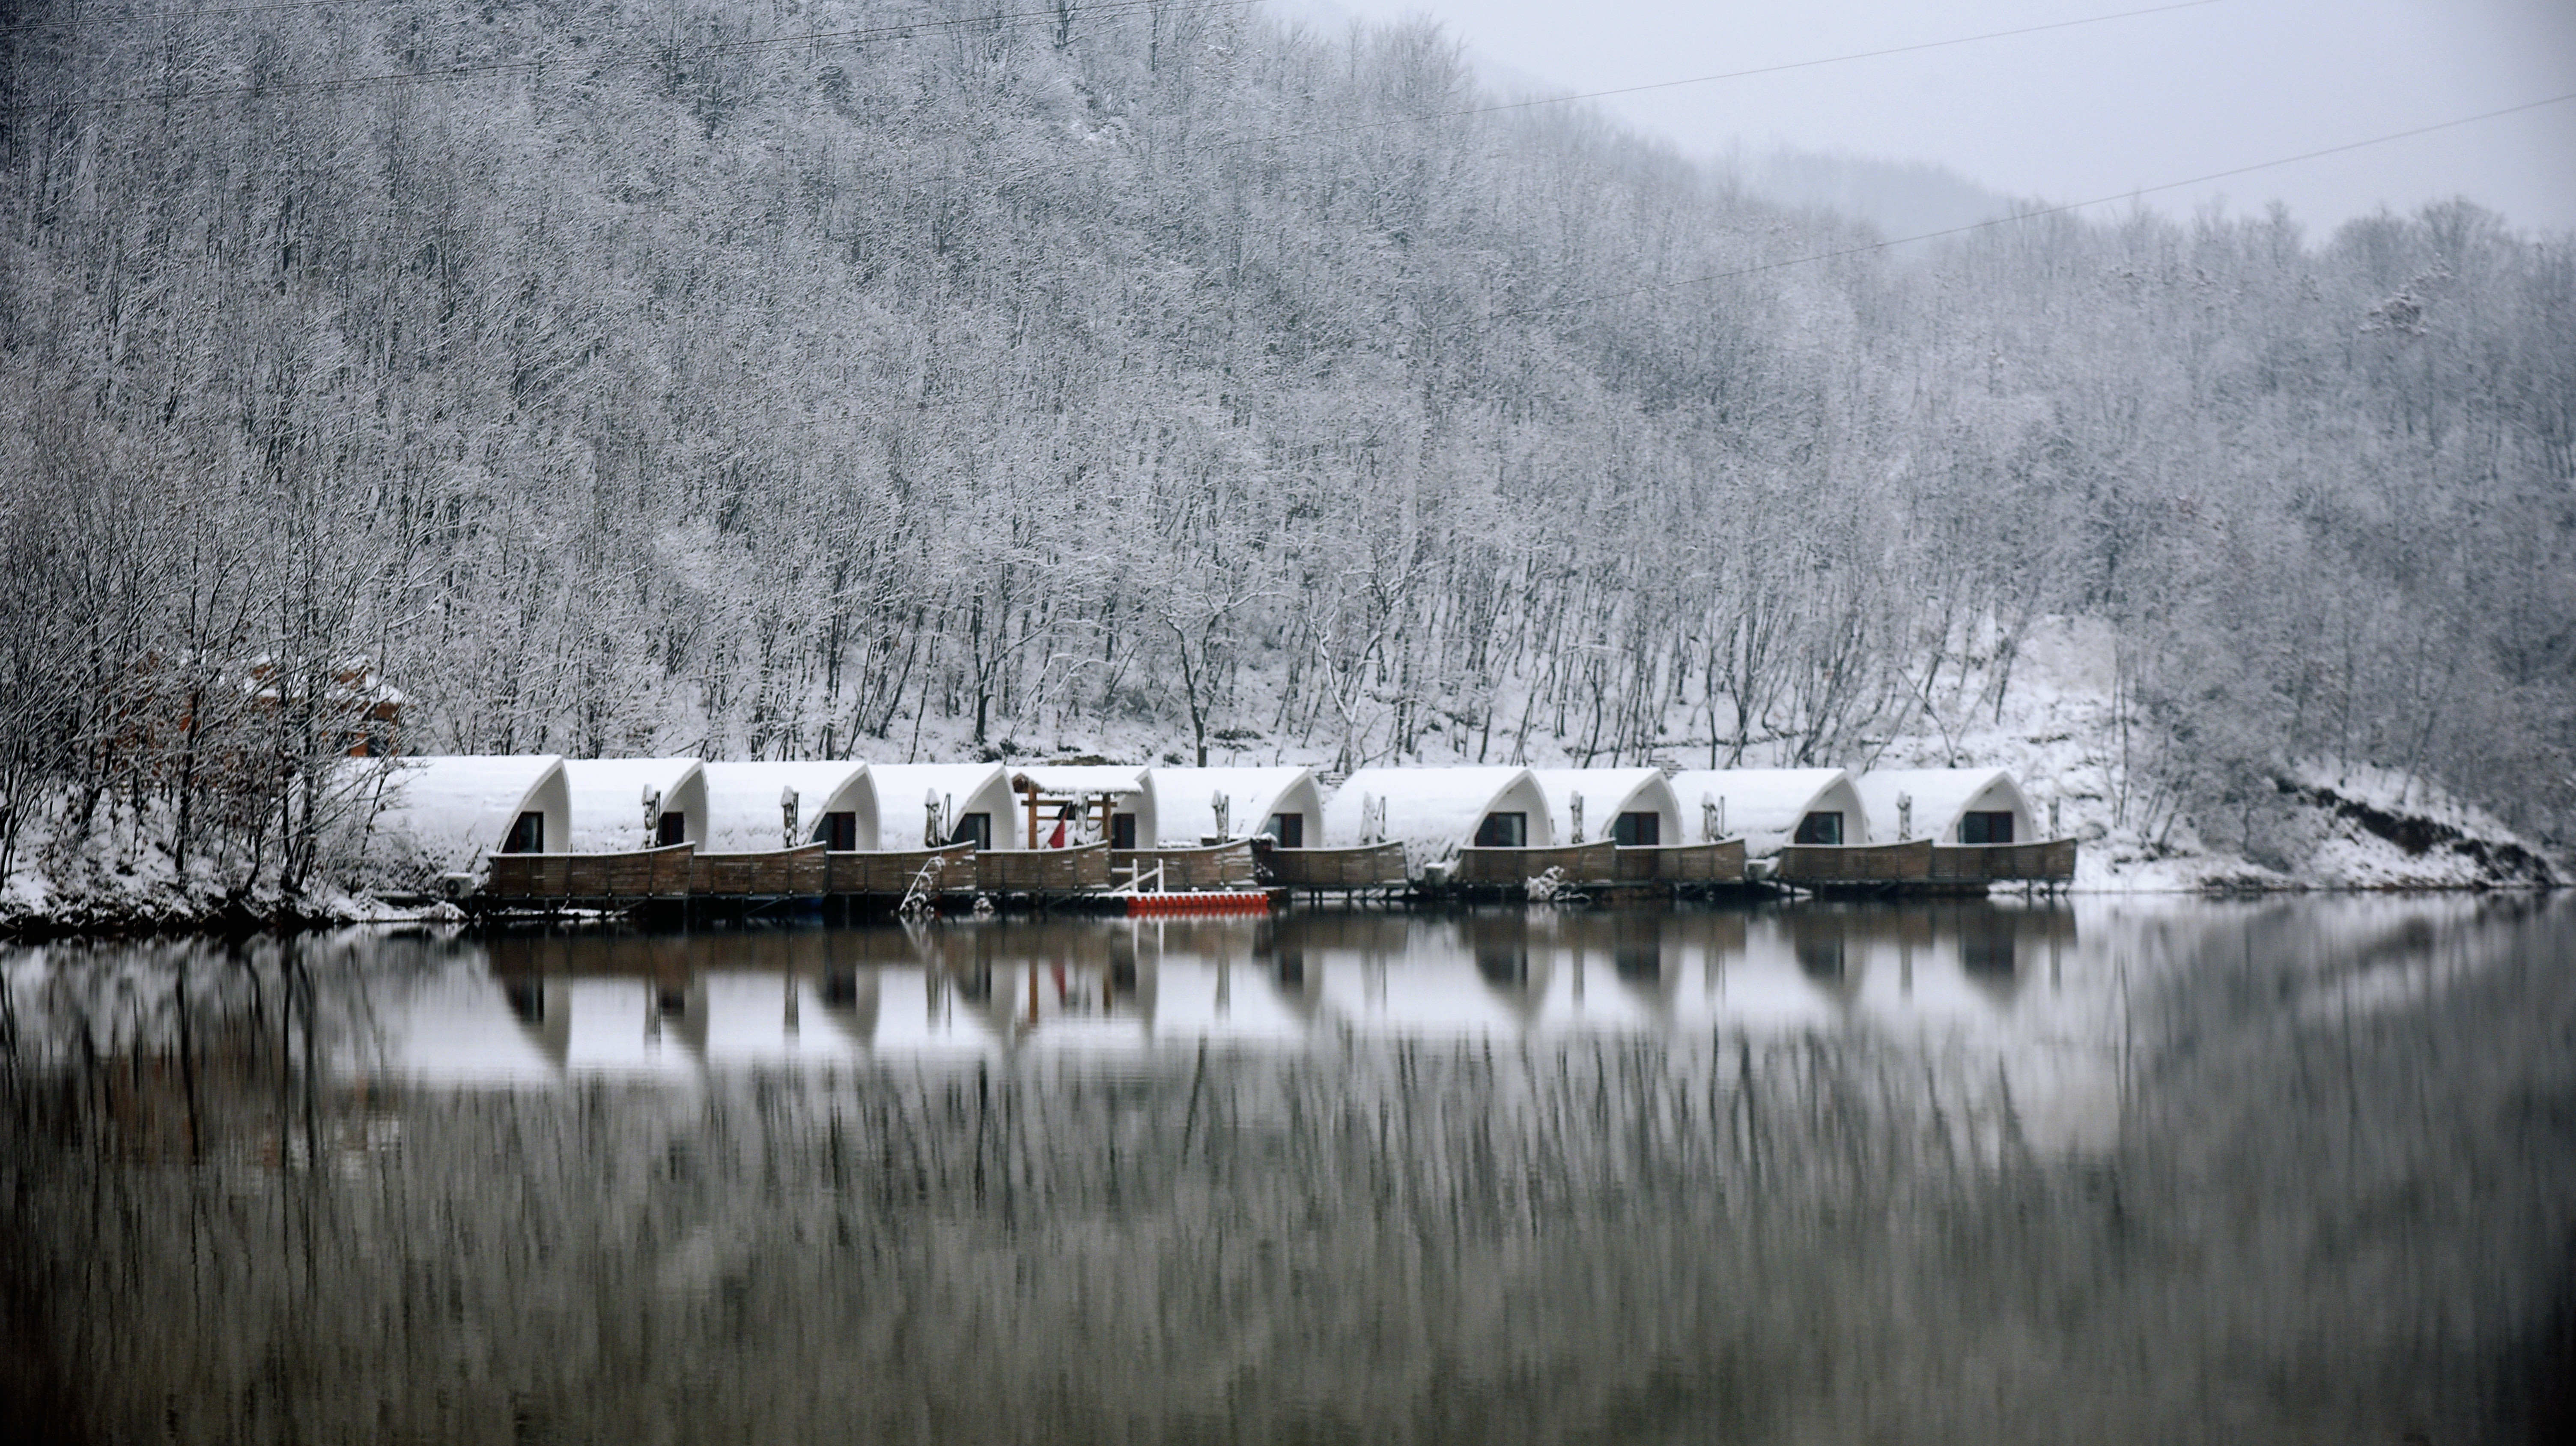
(673, 828)
(1503, 831)
(1822, 827)
(1288, 828)
(1637, 830)
(841, 831)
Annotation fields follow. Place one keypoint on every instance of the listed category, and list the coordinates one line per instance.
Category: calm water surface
(2163, 1171)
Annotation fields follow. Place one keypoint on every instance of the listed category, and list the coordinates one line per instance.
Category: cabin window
(1986, 828)
(1288, 828)
(1820, 828)
(1503, 831)
(1122, 830)
(840, 831)
(527, 836)
(673, 828)
(974, 828)
(1637, 830)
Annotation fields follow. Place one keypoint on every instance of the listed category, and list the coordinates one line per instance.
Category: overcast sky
(2092, 110)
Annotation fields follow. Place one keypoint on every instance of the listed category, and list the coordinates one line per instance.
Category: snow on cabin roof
(1067, 779)
(901, 787)
(1940, 796)
(1185, 798)
(1431, 811)
(607, 796)
(449, 810)
(1763, 805)
(1606, 793)
(743, 812)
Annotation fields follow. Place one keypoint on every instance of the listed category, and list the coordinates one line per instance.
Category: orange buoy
(1212, 902)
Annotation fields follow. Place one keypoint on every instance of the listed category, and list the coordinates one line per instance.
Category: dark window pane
(1503, 831)
(1821, 828)
(1122, 830)
(1986, 828)
(974, 828)
(1637, 830)
(1288, 828)
(674, 828)
(527, 836)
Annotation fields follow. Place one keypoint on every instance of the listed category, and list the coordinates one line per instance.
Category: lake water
(2296, 1170)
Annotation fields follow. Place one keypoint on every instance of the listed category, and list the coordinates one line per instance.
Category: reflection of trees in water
(2307, 1228)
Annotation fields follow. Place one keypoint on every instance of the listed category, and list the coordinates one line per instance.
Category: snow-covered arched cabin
(1771, 808)
(747, 810)
(609, 810)
(1948, 805)
(1127, 821)
(1628, 806)
(1434, 812)
(447, 813)
(1281, 802)
(974, 801)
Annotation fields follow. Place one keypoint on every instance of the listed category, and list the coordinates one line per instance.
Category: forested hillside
(868, 379)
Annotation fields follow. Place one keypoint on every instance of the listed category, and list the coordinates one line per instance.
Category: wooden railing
(1898, 863)
(796, 873)
(2050, 861)
(1215, 866)
(1043, 871)
(1591, 863)
(1721, 862)
(1369, 866)
(891, 871)
(661, 873)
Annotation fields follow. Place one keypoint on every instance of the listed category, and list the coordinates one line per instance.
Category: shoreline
(235, 922)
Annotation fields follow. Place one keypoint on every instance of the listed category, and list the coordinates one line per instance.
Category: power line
(901, 30)
(1724, 75)
(2035, 214)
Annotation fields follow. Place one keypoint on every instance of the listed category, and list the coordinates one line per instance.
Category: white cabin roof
(1764, 805)
(966, 787)
(608, 799)
(743, 811)
(1940, 796)
(448, 811)
(1071, 778)
(1607, 793)
(1185, 799)
(1433, 812)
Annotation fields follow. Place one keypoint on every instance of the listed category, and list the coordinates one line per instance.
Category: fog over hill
(649, 377)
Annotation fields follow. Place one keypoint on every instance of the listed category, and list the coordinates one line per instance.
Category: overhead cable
(2035, 214)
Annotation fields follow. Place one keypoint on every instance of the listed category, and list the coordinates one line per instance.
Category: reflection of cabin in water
(1085, 803)
(1631, 807)
(1280, 802)
(1771, 808)
(757, 806)
(929, 805)
(447, 813)
(1948, 805)
(1434, 812)
(621, 804)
